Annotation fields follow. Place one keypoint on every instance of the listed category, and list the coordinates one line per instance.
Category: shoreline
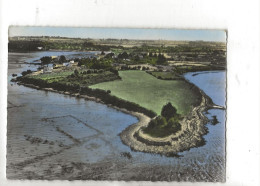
(190, 136)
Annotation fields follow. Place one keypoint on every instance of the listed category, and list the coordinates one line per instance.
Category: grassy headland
(152, 93)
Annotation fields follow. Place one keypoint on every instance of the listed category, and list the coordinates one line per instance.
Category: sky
(121, 33)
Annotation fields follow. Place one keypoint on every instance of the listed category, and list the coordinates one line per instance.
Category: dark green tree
(124, 55)
(62, 59)
(46, 60)
(161, 59)
(159, 121)
(137, 58)
(94, 60)
(173, 125)
(87, 44)
(76, 59)
(76, 72)
(168, 111)
(109, 55)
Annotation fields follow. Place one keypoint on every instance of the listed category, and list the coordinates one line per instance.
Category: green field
(150, 92)
(69, 77)
(53, 75)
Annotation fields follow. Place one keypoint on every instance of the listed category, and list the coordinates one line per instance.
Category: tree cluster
(109, 55)
(165, 124)
(24, 46)
(104, 95)
(46, 60)
(123, 55)
(161, 60)
(168, 111)
(62, 59)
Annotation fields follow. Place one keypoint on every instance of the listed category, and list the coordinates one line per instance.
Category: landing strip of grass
(151, 93)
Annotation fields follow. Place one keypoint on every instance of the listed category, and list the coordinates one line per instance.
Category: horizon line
(199, 40)
(121, 33)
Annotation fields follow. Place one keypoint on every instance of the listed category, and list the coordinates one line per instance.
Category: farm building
(67, 64)
(47, 69)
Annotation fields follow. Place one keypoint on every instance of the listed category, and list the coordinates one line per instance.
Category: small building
(67, 64)
(47, 69)
(39, 48)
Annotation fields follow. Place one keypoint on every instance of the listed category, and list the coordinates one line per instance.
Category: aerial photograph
(116, 104)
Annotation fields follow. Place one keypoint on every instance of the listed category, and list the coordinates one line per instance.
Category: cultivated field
(82, 78)
(150, 92)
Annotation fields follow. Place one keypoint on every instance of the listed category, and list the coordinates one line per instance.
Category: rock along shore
(191, 134)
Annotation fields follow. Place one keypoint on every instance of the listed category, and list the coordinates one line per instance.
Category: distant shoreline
(51, 50)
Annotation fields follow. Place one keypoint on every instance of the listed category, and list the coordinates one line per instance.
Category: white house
(67, 64)
(47, 69)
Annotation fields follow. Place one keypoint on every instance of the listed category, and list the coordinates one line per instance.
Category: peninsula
(138, 77)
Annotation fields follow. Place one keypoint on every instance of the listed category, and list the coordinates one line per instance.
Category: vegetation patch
(165, 75)
(77, 77)
(184, 69)
(152, 93)
(103, 95)
(165, 124)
